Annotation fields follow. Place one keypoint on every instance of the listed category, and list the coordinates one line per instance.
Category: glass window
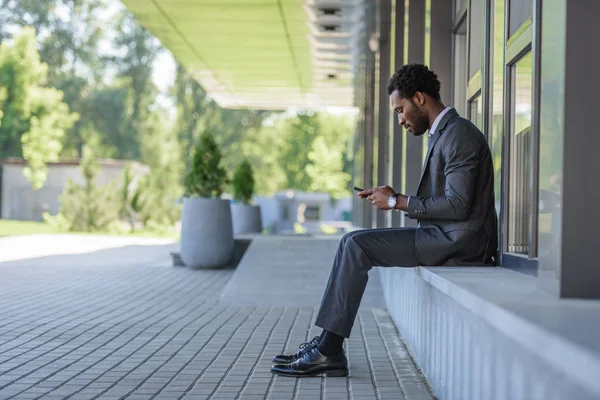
(496, 119)
(460, 76)
(551, 144)
(519, 11)
(519, 200)
(312, 213)
(457, 6)
(285, 212)
(476, 111)
(475, 36)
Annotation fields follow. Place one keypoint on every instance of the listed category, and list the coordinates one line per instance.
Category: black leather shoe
(313, 363)
(290, 358)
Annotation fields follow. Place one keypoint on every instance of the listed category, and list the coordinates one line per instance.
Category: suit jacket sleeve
(461, 156)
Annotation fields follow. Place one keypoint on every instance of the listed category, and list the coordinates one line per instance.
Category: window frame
(525, 39)
(477, 84)
(479, 97)
(460, 18)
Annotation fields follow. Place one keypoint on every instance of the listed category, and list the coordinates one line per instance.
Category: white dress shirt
(437, 120)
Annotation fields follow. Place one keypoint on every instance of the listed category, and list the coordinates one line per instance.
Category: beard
(421, 121)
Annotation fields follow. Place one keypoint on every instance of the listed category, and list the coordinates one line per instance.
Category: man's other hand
(378, 196)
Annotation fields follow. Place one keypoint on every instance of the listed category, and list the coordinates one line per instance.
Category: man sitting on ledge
(454, 205)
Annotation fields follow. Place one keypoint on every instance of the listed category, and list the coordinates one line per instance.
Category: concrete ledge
(491, 333)
(512, 303)
(290, 271)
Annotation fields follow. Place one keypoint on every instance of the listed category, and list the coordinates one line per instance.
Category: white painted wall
(17, 193)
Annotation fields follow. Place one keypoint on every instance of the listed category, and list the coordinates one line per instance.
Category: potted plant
(246, 217)
(206, 227)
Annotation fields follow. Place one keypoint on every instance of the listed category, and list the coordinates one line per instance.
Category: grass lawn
(15, 228)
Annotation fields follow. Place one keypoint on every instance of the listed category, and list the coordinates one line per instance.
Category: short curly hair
(412, 78)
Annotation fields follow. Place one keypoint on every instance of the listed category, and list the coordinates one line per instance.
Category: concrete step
(289, 271)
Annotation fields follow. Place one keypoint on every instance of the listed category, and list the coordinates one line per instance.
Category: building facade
(509, 68)
(525, 72)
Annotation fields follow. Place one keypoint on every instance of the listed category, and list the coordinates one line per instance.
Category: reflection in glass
(519, 12)
(552, 111)
(460, 76)
(475, 36)
(457, 5)
(519, 200)
(476, 112)
(497, 94)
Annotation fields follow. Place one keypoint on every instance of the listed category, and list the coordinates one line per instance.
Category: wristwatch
(392, 201)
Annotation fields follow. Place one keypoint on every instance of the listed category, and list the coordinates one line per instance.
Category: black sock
(322, 335)
(330, 344)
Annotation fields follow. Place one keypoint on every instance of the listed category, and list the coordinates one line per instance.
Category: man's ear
(419, 98)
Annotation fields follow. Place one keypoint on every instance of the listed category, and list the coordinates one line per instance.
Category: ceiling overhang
(262, 54)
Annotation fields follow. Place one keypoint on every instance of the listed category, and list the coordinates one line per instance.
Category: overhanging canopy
(270, 54)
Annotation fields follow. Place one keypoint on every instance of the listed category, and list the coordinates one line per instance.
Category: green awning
(255, 53)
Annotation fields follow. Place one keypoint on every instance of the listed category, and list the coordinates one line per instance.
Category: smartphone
(358, 189)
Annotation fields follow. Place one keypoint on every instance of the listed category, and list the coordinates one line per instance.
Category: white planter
(206, 232)
(246, 219)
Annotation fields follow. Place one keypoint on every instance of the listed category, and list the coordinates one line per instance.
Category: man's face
(411, 115)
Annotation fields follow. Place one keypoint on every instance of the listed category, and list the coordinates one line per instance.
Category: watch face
(392, 201)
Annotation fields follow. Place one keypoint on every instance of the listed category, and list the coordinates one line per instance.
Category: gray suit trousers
(357, 253)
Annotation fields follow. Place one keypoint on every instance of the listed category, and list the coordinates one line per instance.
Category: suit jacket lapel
(433, 140)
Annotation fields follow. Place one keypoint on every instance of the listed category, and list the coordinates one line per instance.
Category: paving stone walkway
(80, 326)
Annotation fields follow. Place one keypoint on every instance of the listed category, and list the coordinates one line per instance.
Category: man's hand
(378, 196)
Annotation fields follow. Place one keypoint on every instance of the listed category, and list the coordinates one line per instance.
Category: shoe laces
(313, 341)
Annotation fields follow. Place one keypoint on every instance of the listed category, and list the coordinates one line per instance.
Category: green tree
(24, 13)
(262, 147)
(314, 155)
(206, 177)
(68, 33)
(20, 73)
(235, 131)
(35, 118)
(243, 183)
(88, 207)
(129, 198)
(326, 170)
(160, 190)
(106, 124)
(70, 44)
(138, 50)
(196, 112)
(337, 131)
(300, 132)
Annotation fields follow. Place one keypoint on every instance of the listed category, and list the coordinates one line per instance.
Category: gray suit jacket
(455, 198)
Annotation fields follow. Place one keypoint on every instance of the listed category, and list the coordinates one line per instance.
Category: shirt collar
(438, 119)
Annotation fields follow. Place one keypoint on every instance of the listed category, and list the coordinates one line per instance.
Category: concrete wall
(17, 193)
(269, 211)
(508, 346)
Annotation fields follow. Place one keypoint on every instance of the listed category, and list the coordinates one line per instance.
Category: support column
(397, 138)
(569, 191)
(369, 117)
(385, 11)
(416, 54)
(440, 58)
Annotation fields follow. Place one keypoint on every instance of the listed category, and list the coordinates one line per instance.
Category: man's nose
(401, 119)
